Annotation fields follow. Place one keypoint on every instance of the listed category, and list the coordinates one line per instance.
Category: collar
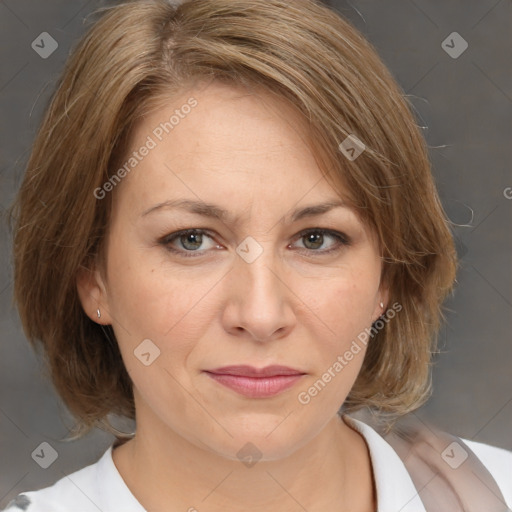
(394, 487)
(116, 495)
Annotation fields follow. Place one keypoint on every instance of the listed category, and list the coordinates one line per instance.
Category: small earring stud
(381, 305)
(98, 312)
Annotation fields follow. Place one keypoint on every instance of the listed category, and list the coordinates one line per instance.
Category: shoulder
(77, 491)
(399, 464)
(498, 462)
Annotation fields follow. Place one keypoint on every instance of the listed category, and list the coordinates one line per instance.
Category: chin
(266, 437)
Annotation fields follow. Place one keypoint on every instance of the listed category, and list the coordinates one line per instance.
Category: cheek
(344, 304)
(149, 299)
(145, 292)
(341, 311)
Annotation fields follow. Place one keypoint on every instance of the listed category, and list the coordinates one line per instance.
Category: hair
(133, 59)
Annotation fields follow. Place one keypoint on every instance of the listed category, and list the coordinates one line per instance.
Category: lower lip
(256, 387)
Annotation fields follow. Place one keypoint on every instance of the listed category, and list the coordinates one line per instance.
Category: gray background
(465, 105)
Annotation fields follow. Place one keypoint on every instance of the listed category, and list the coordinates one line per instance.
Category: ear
(93, 295)
(382, 296)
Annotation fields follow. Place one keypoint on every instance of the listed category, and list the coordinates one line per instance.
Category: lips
(256, 382)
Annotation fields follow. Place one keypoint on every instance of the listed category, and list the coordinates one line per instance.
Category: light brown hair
(134, 57)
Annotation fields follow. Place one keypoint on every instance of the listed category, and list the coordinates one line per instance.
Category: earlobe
(382, 303)
(93, 296)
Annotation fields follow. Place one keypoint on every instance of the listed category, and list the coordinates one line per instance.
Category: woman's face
(258, 285)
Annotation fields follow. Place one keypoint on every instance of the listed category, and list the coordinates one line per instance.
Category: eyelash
(342, 241)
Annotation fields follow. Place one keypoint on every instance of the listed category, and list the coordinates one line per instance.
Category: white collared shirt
(100, 487)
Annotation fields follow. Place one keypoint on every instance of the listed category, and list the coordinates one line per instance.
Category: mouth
(256, 382)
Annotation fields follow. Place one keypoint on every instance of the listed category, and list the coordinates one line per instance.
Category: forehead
(225, 145)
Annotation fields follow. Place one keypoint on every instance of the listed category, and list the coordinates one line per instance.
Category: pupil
(196, 240)
(316, 239)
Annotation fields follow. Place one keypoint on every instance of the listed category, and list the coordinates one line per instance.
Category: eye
(189, 240)
(315, 238)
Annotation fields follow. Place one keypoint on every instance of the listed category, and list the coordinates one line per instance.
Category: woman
(227, 230)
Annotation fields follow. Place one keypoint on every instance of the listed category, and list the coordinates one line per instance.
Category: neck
(331, 472)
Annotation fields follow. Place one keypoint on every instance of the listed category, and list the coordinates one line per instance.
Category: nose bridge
(257, 265)
(261, 298)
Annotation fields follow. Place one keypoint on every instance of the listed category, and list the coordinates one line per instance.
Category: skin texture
(292, 306)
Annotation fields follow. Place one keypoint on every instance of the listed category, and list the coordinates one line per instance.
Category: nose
(259, 302)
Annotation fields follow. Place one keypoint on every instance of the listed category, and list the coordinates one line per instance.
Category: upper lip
(251, 371)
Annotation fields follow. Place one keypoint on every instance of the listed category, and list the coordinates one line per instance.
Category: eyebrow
(216, 212)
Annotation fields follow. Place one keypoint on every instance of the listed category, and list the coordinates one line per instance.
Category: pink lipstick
(256, 382)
